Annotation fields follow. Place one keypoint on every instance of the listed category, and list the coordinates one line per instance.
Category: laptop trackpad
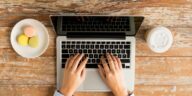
(93, 81)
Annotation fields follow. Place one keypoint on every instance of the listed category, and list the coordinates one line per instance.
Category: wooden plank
(164, 70)
(140, 90)
(143, 90)
(182, 45)
(149, 71)
(166, 16)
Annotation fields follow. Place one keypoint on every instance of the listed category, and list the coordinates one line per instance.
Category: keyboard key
(96, 56)
(108, 42)
(120, 46)
(101, 46)
(124, 56)
(75, 51)
(123, 65)
(104, 51)
(97, 60)
(108, 50)
(94, 51)
(117, 42)
(125, 60)
(63, 43)
(72, 46)
(122, 51)
(113, 51)
(127, 51)
(88, 42)
(89, 51)
(77, 46)
(63, 46)
(73, 42)
(92, 46)
(112, 42)
(97, 46)
(119, 55)
(92, 42)
(87, 46)
(62, 65)
(65, 51)
(82, 46)
(116, 46)
(80, 51)
(64, 60)
(127, 46)
(122, 42)
(106, 46)
(128, 55)
(68, 46)
(65, 55)
(128, 42)
(90, 55)
(85, 51)
(93, 61)
(70, 51)
(78, 42)
(102, 42)
(91, 65)
(111, 46)
(98, 42)
(118, 51)
(127, 67)
(99, 51)
(89, 60)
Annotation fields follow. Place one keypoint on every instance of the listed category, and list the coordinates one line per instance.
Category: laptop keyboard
(95, 49)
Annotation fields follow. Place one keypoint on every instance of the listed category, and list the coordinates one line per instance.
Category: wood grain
(166, 74)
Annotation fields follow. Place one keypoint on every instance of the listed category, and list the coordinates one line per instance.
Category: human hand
(112, 74)
(74, 74)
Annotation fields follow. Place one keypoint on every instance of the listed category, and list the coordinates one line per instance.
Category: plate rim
(43, 49)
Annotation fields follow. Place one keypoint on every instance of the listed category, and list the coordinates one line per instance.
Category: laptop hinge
(95, 35)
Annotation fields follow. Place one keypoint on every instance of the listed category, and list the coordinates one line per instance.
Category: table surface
(166, 74)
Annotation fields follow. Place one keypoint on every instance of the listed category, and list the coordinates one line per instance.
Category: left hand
(74, 74)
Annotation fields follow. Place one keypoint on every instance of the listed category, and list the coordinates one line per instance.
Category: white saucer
(26, 51)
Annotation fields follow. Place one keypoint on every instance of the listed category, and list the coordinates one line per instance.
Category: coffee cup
(159, 39)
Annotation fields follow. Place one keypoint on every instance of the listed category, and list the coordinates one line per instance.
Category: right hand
(112, 74)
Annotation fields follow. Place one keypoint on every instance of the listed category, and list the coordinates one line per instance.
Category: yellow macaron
(34, 42)
(22, 40)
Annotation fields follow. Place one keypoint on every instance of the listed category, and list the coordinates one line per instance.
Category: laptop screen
(127, 25)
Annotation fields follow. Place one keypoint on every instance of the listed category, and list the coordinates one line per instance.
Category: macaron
(22, 40)
(29, 31)
(34, 42)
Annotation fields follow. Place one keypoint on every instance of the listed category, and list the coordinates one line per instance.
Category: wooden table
(166, 74)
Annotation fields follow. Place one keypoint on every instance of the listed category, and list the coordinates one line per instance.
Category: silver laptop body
(93, 81)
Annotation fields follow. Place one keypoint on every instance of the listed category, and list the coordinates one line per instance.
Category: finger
(110, 61)
(66, 64)
(101, 72)
(119, 62)
(115, 61)
(105, 65)
(82, 65)
(70, 64)
(83, 74)
(77, 61)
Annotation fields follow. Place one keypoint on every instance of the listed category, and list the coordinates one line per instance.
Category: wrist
(122, 92)
(66, 91)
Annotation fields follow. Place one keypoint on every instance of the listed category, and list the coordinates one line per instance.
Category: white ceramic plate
(26, 51)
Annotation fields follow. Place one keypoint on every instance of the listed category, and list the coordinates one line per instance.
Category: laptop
(95, 36)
